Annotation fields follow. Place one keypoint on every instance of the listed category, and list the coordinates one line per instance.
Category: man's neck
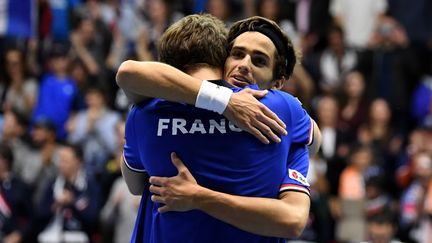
(206, 73)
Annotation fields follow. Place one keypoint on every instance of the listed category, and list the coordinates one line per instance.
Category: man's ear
(279, 83)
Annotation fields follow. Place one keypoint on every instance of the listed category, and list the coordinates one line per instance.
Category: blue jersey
(220, 156)
(56, 101)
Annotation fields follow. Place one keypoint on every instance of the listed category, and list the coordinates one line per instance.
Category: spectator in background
(335, 61)
(379, 133)
(354, 106)
(221, 9)
(16, 209)
(22, 89)
(382, 228)
(112, 171)
(57, 93)
(160, 15)
(120, 210)
(421, 100)
(311, 19)
(419, 141)
(415, 19)
(89, 45)
(378, 200)
(358, 19)
(94, 129)
(27, 160)
(60, 16)
(333, 148)
(334, 151)
(300, 83)
(43, 136)
(271, 9)
(319, 227)
(390, 68)
(80, 75)
(70, 204)
(16, 23)
(414, 199)
(351, 225)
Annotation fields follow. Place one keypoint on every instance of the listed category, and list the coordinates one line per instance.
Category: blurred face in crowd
(423, 166)
(269, 9)
(251, 61)
(11, 127)
(218, 8)
(69, 162)
(354, 85)
(361, 159)
(158, 10)
(14, 63)
(335, 40)
(379, 111)
(380, 232)
(95, 99)
(79, 74)
(327, 112)
(59, 64)
(87, 31)
(41, 136)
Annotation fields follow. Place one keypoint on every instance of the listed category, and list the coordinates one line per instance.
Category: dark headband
(275, 37)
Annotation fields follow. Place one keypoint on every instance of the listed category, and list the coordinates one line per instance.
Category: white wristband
(213, 97)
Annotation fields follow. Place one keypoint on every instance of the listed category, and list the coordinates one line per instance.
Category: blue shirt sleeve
(131, 153)
(297, 170)
(302, 124)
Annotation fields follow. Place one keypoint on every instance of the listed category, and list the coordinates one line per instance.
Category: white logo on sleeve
(295, 175)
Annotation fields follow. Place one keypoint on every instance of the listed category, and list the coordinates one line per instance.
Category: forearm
(157, 80)
(263, 216)
(136, 182)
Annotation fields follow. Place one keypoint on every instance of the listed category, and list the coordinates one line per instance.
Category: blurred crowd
(365, 77)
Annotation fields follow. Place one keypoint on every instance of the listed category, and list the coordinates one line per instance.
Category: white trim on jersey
(293, 187)
(311, 132)
(130, 167)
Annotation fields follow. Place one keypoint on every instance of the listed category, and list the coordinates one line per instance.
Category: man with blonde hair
(227, 160)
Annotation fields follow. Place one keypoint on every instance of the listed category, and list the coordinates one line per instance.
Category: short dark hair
(45, 123)
(77, 149)
(286, 56)
(20, 117)
(387, 216)
(193, 40)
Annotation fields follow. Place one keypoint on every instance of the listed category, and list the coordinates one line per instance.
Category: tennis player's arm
(144, 80)
(135, 181)
(285, 217)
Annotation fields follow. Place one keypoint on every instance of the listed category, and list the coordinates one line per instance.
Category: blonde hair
(194, 40)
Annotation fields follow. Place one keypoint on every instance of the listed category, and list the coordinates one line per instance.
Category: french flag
(17, 18)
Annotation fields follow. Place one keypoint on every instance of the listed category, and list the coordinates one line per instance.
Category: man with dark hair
(70, 204)
(15, 208)
(255, 170)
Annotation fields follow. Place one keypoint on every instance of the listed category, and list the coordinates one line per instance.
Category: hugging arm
(144, 80)
(135, 181)
(284, 217)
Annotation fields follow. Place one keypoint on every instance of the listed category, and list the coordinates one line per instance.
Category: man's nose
(245, 64)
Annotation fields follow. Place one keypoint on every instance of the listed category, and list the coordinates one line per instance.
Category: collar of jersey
(224, 83)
